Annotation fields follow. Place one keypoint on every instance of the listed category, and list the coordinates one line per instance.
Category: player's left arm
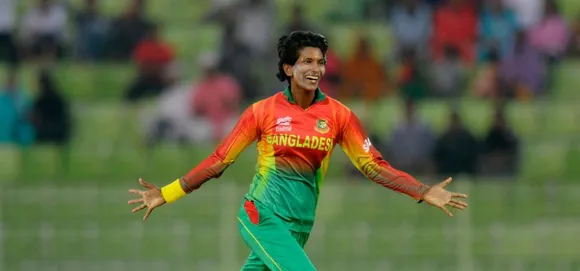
(367, 159)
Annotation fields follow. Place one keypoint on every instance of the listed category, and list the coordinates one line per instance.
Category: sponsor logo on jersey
(321, 126)
(284, 124)
(367, 144)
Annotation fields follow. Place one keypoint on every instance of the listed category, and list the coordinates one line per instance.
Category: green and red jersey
(294, 150)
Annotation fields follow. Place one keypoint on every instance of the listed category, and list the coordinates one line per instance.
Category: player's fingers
(144, 183)
(141, 207)
(456, 206)
(133, 201)
(446, 211)
(446, 182)
(147, 213)
(461, 203)
(135, 191)
(459, 195)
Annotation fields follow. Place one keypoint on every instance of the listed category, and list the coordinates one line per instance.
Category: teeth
(312, 77)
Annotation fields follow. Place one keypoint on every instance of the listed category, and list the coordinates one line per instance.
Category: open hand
(150, 198)
(440, 198)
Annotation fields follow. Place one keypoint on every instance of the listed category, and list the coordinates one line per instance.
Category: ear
(288, 70)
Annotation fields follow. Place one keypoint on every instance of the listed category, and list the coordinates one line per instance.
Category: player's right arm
(244, 134)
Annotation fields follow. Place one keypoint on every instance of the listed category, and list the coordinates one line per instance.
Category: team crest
(321, 126)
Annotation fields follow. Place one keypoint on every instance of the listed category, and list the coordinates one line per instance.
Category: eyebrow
(311, 58)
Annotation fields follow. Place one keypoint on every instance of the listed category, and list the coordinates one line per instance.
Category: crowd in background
(512, 46)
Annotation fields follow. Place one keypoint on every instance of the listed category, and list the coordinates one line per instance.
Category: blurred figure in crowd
(486, 83)
(217, 98)
(550, 36)
(246, 43)
(523, 70)
(456, 150)
(455, 23)
(412, 79)
(127, 31)
(44, 30)
(411, 21)
(497, 29)
(92, 29)
(15, 127)
(574, 45)
(449, 75)
(153, 58)
(528, 12)
(500, 150)
(298, 21)
(332, 80)
(50, 112)
(363, 76)
(8, 41)
(410, 146)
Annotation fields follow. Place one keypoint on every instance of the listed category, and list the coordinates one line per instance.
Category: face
(308, 70)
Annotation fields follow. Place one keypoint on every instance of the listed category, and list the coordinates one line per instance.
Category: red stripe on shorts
(252, 212)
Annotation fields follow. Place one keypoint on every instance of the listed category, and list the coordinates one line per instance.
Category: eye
(308, 61)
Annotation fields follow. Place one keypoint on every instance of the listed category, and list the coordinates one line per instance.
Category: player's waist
(299, 218)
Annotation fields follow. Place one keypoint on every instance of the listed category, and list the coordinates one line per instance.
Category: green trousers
(274, 247)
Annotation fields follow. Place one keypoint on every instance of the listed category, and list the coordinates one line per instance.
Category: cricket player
(296, 129)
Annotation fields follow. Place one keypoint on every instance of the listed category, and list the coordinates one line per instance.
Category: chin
(310, 87)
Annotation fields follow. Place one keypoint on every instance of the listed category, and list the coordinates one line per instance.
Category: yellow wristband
(172, 191)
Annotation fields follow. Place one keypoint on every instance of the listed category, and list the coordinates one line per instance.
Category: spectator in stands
(434, 3)
(528, 12)
(332, 79)
(550, 37)
(50, 112)
(500, 148)
(216, 99)
(412, 79)
(497, 29)
(410, 145)
(255, 22)
(523, 70)
(153, 58)
(574, 45)
(15, 127)
(246, 48)
(45, 30)
(362, 74)
(449, 76)
(486, 83)
(411, 24)
(298, 21)
(8, 45)
(127, 31)
(456, 150)
(455, 23)
(172, 122)
(92, 29)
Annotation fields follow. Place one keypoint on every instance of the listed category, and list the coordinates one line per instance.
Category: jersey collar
(318, 95)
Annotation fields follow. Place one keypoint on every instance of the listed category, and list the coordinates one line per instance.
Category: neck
(301, 96)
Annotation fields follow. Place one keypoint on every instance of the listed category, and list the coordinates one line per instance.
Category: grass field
(360, 226)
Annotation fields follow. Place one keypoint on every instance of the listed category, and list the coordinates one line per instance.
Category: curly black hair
(290, 45)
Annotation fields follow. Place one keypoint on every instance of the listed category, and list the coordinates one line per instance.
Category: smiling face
(308, 69)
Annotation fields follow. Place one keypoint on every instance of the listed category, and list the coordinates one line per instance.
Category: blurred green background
(66, 209)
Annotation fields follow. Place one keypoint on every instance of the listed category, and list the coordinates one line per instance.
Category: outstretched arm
(244, 133)
(358, 147)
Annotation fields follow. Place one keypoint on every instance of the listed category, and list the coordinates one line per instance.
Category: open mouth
(312, 79)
